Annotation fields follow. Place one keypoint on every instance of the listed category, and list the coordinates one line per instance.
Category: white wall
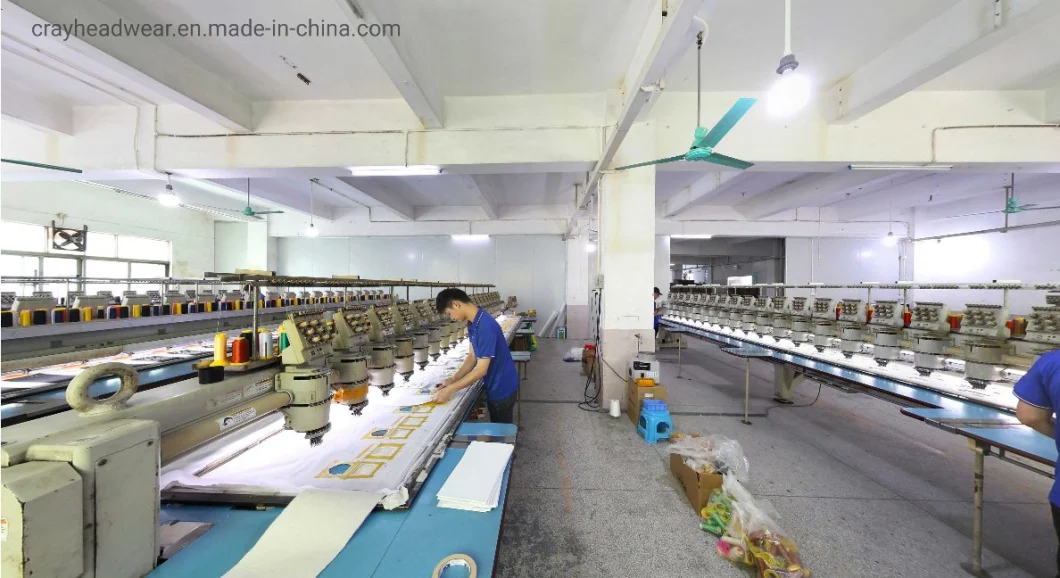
(191, 233)
(839, 261)
(1028, 255)
(532, 267)
(230, 246)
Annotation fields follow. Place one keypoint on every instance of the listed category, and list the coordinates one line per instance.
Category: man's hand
(442, 395)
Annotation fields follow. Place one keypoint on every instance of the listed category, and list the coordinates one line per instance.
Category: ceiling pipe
(985, 231)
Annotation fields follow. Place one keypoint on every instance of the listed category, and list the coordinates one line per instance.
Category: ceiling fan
(248, 211)
(1012, 205)
(703, 146)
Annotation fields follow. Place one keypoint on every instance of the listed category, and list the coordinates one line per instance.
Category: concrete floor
(865, 491)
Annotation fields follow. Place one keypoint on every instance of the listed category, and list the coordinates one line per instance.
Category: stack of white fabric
(475, 483)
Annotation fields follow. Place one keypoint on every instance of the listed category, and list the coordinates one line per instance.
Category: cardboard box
(698, 487)
(636, 395)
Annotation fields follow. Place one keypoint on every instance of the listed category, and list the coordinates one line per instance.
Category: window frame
(81, 258)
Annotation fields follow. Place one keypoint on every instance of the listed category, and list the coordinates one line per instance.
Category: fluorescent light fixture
(396, 171)
(893, 167)
(590, 248)
(866, 254)
(470, 238)
(691, 236)
(168, 199)
(312, 231)
(890, 240)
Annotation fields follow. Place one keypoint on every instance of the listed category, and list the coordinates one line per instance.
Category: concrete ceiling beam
(964, 31)
(141, 65)
(399, 58)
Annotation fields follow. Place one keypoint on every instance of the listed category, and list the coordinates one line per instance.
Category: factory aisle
(865, 491)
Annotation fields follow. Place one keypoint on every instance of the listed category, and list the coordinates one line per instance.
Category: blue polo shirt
(487, 341)
(1041, 388)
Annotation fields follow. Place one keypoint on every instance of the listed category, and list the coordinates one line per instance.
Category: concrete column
(627, 260)
(577, 292)
(662, 265)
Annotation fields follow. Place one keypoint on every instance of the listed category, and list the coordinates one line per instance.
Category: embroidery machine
(977, 353)
(81, 488)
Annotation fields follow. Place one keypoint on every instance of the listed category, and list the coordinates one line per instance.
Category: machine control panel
(852, 310)
(887, 314)
(985, 321)
(382, 320)
(403, 318)
(823, 308)
(778, 304)
(1043, 324)
(311, 334)
(352, 327)
(930, 316)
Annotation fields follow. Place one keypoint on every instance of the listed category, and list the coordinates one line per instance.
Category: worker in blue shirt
(657, 301)
(1039, 398)
(489, 358)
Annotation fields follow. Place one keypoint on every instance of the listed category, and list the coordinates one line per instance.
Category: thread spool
(40, 317)
(264, 344)
(112, 312)
(192, 308)
(135, 309)
(220, 350)
(123, 311)
(25, 318)
(59, 315)
(166, 309)
(87, 314)
(7, 318)
(176, 308)
(73, 315)
(101, 313)
(456, 560)
(145, 310)
(240, 350)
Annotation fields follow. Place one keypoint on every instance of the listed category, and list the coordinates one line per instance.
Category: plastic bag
(713, 453)
(772, 553)
(575, 354)
(717, 513)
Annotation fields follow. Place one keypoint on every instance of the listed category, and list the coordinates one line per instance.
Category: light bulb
(790, 93)
(890, 240)
(169, 199)
(311, 231)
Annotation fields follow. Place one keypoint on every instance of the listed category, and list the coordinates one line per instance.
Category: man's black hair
(448, 296)
(657, 291)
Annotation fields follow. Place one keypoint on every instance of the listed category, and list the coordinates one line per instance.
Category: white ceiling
(831, 40)
(1029, 61)
(339, 68)
(35, 76)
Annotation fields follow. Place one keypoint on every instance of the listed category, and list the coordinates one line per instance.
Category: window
(25, 251)
(140, 248)
(22, 237)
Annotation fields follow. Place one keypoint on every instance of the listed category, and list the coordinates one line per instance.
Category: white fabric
(307, 535)
(475, 483)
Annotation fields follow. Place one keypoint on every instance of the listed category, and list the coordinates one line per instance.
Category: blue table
(392, 544)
